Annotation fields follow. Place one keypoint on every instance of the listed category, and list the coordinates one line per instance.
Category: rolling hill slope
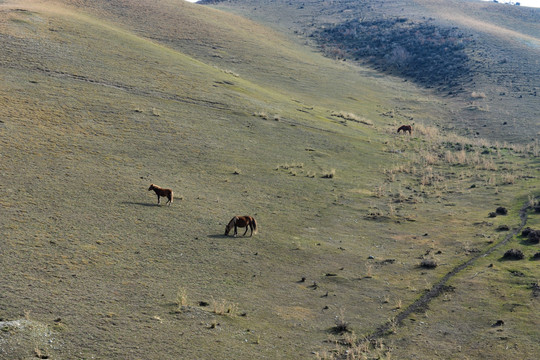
(481, 58)
(100, 99)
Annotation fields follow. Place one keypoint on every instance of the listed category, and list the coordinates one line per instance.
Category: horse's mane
(232, 222)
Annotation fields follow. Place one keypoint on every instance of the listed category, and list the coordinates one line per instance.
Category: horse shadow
(217, 236)
(140, 203)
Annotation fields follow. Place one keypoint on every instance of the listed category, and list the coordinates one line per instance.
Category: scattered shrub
(526, 232)
(428, 264)
(181, 299)
(352, 117)
(342, 326)
(261, 114)
(478, 95)
(502, 228)
(223, 307)
(421, 51)
(330, 174)
(501, 210)
(534, 236)
(513, 254)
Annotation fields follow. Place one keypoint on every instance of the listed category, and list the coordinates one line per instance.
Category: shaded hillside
(481, 57)
(422, 52)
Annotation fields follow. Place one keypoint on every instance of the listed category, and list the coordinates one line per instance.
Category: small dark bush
(513, 254)
(536, 256)
(502, 228)
(492, 214)
(535, 289)
(498, 323)
(534, 236)
(525, 232)
(342, 326)
(501, 210)
(428, 264)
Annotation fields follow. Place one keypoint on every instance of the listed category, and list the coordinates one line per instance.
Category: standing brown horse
(241, 221)
(168, 193)
(405, 128)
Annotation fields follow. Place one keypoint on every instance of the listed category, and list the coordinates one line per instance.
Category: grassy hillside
(482, 58)
(100, 99)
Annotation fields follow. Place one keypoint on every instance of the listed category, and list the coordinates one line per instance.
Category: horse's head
(151, 187)
(230, 225)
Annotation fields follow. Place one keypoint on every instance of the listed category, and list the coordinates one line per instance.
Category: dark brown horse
(405, 128)
(241, 221)
(168, 193)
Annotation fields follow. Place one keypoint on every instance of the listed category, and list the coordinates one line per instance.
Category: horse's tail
(254, 225)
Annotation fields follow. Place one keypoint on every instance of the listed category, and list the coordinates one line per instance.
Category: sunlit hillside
(370, 243)
(480, 57)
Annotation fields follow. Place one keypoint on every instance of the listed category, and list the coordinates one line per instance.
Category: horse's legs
(158, 199)
(245, 232)
(235, 230)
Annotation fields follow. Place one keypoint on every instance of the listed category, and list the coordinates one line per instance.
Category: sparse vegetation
(513, 254)
(352, 117)
(329, 174)
(428, 264)
(84, 134)
(341, 325)
(224, 307)
(181, 299)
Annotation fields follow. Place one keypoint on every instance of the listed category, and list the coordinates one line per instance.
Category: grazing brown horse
(241, 221)
(168, 193)
(405, 128)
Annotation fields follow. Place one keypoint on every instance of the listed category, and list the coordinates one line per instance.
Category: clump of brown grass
(352, 117)
(508, 179)
(478, 95)
(429, 132)
(224, 307)
(379, 191)
(329, 174)
(261, 114)
(181, 300)
(342, 326)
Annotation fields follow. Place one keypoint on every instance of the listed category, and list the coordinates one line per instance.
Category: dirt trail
(440, 287)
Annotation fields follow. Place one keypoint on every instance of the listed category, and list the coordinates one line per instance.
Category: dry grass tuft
(329, 175)
(181, 299)
(352, 117)
(478, 95)
(224, 307)
(342, 326)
